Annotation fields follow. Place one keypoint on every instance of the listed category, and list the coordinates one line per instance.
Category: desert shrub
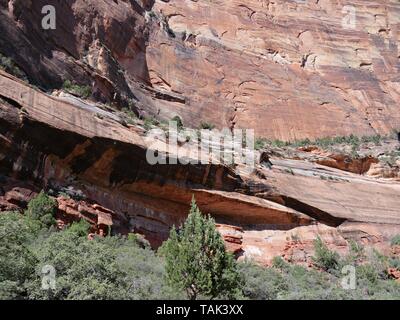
(42, 208)
(178, 122)
(395, 240)
(325, 258)
(129, 115)
(376, 139)
(144, 273)
(139, 240)
(150, 122)
(309, 284)
(81, 91)
(262, 283)
(356, 254)
(260, 143)
(8, 65)
(279, 263)
(367, 272)
(207, 126)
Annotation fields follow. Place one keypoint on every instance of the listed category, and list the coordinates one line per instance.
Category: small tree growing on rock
(196, 260)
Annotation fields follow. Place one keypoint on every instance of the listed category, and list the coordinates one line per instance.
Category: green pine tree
(196, 259)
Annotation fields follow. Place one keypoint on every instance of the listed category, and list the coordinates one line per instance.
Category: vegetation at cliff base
(37, 261)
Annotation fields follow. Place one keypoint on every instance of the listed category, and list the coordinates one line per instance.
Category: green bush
(17, 262)
(279, 263)
(207, 126)
(129, 116)
(8, 65)
(178, 122)
(80, 228)
(196, 260)
(367, 272)
(104, 268)
(260, 143)
(150, 122)
(396, 240)
(262, 283)
(324, 258)
(81, 91)
(42, 208)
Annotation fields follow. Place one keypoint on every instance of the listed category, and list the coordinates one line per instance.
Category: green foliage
(324, 142)
(103, 268)
(207, 126)
(294, 282)
(80, 228)
(16, 260)
(81, 91)
(84, 269)
(116, 267)
(260, 143)
(150, 122)
(367, 272)
(8, 65)
(262, 283)
(279, 263)
(129, 116)
(356, 254)
(139, 240)
(196, 260)
(396, 240)
(178, 121)
(372, 139)
(42, 208)
(325, 258)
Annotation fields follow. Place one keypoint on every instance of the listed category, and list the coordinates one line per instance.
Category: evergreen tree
(196, 260)
(42, 208)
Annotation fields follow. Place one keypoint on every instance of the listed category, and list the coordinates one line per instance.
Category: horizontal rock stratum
(48, 141)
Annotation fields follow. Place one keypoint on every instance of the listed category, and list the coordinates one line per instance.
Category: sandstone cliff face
(93, 43)
(54, 143)
(288, 69)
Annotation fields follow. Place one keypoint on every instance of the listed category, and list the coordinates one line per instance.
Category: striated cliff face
(287, 69)
(55, 143)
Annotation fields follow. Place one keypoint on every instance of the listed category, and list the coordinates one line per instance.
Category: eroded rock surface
(50, 142)
(287, 69)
